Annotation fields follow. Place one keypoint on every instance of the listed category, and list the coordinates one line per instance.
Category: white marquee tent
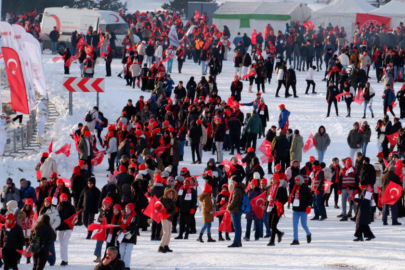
(394, 9)
(341, 13)
(245, 16)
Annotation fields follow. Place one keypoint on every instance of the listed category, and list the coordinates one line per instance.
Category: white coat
(49, 166)
(53, 214)
(91, 125)
(159, 53)
(310, 75)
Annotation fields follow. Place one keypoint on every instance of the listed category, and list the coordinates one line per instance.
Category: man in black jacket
(236, 89)
(54, 36)
(129, 109)
(111, 261)
(367, 173)
(219, 136)
(88, 201)
(291, 81)
(195, 135)
(234, 126)
(331, 94)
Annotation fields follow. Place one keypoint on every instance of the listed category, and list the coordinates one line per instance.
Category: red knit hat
(117, 206)
(254, 182)
(107, 200)
(48, 199)
(276, 177)
(63, 197)
(207, 189)
(278, 167)
(45, 154)
(131, 207)
(82, 162)
(250, 150)
(60, 182)
(281, 106)
(142, 167)
(312, 159)
(54, 175)
(263, 181)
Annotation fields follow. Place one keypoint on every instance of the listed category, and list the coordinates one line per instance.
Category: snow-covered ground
(332, 246)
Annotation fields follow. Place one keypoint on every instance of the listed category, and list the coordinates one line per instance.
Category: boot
(179, 237)
(364, 116)
(167, 249)
(89, 235)
(220, 238)
(199, 239)
(295, 243)
(309, 238)
(280, 237)
(181, 158)
(235, 244)
(186, 236)
(358, 239)
(98, 259)
(227, 237)
(210, 238)
(161, 250)
(344, 218)
(28, 260)
(372, 115)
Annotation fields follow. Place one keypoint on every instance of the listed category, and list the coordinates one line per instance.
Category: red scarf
(126, 221)
(9, 227)
(28, 221)
(336, 174)
(273, 192)
(292, 193)
(115, 221)
(297, 194)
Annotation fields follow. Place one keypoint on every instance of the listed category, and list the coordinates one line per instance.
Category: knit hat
(207, 189)
(250, 150)
(278, 167)
(142, 169)
(276, 177)
(138, 177)
(263, 181)
(10, 216)
(82, 162)
(131, 207)
(179, 178)
(29, 201)
(60, 182)
(281, 106)
(54, 175)
(254, 182)
(117, 206)
(9, 181)
(299, 177)
(45, 154)
(87, 134)
(312, 159)
(12, 204)
(48, 199)
(63, 197)
(107, 200)
(168, 169)
(122, 169)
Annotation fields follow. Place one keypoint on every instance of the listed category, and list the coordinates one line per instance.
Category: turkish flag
(308, 25)
(341, 95)
(50, 147)
(56, 59)
(150, 209)
(239, 157)
(257, 204)
(18, 91)
(67, 182)
(24, 253)
(253, 73)
(309, 144)
(209, 172)
(77, 139)
(392, 194)
(65, 149)
(392, 138)
(159, 151)
(231, 102)
(226, 223)
(72, 220)
(101, 229)
(365, 20)
(265, 148)
(39, 174)
(359, 98)
(98, 158)
(229, 168)
(247, 187)
(326, 186)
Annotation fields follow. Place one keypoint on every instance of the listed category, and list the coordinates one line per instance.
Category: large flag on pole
(173, 37)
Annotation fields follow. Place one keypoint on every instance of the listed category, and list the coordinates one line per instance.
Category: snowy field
(332, 246)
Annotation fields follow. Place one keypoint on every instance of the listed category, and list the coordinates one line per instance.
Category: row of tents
(243, 17)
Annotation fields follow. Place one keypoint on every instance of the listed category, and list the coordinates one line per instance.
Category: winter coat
(27, 193)
(89, 200)
(207, 207)
(12, 239)
(66, 210)
(78, 183)
(195, 134)
(131, 229)
(296, 148)
(254, 124)
(290, 76)
(364, 211)
(280, 146)
(110, 190)
(355, 139)
(219, 133)
(9, 194)
(236, 199)
(282, 118)
(53, 214)
(46, 236)
(60, 192)
(305, 198)
(252, 193)
(389, 97)
(322, 140)
(367, 134)
(186, 205)
(236, 89)
(331, 93)
(367, 175)
(49, 166)
(83, 149)
(170, 207)
(235, 127)
(91, 125)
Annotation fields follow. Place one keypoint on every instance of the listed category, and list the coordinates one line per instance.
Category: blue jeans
(321, 155)
(73, 50)
(369, 107)
(266, 224)
(395, 72)
(54, 46)
(126, 252)
(169, 65)
(99, 246)
(181, 149)
(249, 226)
(204, 67)
(149, 61)
(207, 226)
(318, 203)
(296, 61)
(237, 225)
(364, 148)
(296, 218)
(52, 257)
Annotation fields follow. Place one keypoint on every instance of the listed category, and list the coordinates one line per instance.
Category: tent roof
(396, 7)
(258, 8)
(342, 7)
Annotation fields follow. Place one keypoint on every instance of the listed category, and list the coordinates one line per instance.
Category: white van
(66, 20)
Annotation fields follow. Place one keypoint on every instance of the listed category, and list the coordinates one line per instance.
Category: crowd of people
(145, 147)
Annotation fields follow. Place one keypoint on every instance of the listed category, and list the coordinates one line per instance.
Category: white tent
(243, 17)
(341, 13)
(394, 9)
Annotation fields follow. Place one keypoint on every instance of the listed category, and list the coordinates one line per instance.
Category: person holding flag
(107, 213)
(169, 207)
(220, 201)
(388, 178)
(347, 185)
(276, 197)
(66, 210)
(318, 178)
(127, 236)
(301, 200)
(252, 193)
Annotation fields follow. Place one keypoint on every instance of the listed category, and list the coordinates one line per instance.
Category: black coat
(234, 126)
(305, 199)
(112, 191)
(89, 200)
(219, 134)
(240, 172)
(367, 175)
(78, 184)
(131, 228)
(13, 239)
(195, 134)
(281, 148)
(158, 190)
(236, 89)
(186, 205)
(117, 264)
(364, 210)
(46, 235)
(290, 77)
(170, 207)
(331, 93)
(66, 210)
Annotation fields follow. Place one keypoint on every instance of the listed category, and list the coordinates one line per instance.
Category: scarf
(272, 195)
(292, 193)
(127, 219)
(336, 173)
(9, 227)
(28, 221)
(116, 219)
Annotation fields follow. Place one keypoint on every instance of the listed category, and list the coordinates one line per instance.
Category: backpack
(245, 208)
(89, 117)
(35, 245)
(105, 122)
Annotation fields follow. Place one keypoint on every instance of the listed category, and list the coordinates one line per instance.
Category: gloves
(327, 101)
(317, 191)
(192, 211)
(308, 210)
(340, 192)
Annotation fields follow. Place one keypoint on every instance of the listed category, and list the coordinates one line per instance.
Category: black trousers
(144, 83)
(363, 230)
(19, 117)
(260, 82)
(282, 162)
(156, 229)
(88, 218)
(194, 150)
(89, 165)
(76, 205)
(336, 106)
(280, 83)
(390, 107)
(10, 258)
(111, 161)
(99, 135)
(309, 83)
(185, 223)
(108, 68)
(379, 73)
(235, 143)
(309, 62)
(252, 139)
(288, 88)
(273, 220)
(180, 65)
(66, 70)
(40, 259)
(402, 110)
(335, 190)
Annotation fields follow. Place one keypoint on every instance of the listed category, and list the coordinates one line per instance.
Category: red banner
(366, 20)
(392, 194)
(257, 204)
(309, 144)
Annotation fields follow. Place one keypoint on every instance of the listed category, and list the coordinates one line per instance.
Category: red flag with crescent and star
(257, 204)
(101, 229)
(72, 220)
(18, 91)
(392, 194)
